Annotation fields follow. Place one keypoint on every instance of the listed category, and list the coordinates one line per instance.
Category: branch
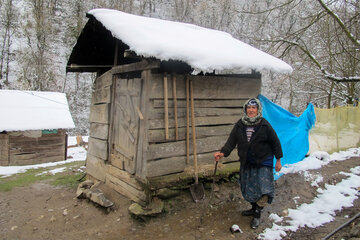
(328, 75)
(342, 25)
(267, 10)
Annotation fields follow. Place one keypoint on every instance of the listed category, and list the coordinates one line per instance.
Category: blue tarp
(292, 131)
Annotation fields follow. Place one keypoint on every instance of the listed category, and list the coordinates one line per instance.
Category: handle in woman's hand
(218, 155)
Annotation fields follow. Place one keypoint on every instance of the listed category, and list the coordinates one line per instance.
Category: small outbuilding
(33, 127)
(165, 99)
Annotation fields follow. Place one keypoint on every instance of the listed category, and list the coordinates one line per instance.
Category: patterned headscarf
(254, 120)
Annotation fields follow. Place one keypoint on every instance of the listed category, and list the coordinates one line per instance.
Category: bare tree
(37, 58)
(8, 25)
(321, 37)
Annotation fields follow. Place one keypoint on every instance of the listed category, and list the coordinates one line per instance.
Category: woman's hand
(218, 155)
(278, 165)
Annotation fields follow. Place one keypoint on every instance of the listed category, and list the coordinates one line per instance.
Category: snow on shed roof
(30, 110)
(202, 48)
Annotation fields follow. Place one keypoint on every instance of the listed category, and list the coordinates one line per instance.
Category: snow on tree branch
(341, 23)
(326, 74)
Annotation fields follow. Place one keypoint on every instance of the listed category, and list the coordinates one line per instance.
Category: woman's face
(251, 111)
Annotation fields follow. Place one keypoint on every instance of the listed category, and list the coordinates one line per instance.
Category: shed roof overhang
(98, 50)
(109, 33)
(94, 49)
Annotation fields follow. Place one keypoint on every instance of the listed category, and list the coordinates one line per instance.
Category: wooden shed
(141, 138)
(33, 127)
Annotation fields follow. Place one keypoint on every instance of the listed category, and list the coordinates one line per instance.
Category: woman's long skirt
(256, 182)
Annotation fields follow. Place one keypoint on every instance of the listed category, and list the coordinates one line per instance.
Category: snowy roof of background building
(202, 48)
(30, 110)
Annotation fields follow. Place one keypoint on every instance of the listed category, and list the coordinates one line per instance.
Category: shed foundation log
(182, 180)
(125, 189)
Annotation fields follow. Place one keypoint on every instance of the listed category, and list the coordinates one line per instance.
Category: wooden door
(125, 124)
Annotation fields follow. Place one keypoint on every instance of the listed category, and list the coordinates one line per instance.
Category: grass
(68, 178)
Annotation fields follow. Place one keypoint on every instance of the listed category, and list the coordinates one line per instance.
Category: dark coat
(263, 143)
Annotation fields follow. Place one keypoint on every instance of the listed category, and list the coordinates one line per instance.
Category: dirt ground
(42, 211)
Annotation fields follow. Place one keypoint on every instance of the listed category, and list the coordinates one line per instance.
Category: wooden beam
(175, 108)
(173, 165)
(203, 103)
(116, 53)
(125, 189)
(200, 121)
(210, 87)
(157, 135)
(110, 139)
(187, 177)
(124, 176)
(75, 66)
(87, 68)
(174, 149)
(166, 108)
(158, 113)
(131, 54)
(133, 67)
(143, 126)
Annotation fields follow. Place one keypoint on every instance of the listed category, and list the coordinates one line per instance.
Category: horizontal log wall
(97, 154)
(27, 150)
(218, 105)
(4, 149)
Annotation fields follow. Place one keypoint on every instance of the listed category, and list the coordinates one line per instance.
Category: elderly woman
(257, 144)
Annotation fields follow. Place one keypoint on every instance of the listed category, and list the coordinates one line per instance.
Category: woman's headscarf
(254, 120)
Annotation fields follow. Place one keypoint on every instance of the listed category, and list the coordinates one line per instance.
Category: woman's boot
(249, 212)
(256, 220)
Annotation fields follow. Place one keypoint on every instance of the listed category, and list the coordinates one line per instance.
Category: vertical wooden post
(175, 107)
(187, 121)
(112, 112)
(166, 107)
(193, 131)
(116, 53)
(66, 145)
(142, 143)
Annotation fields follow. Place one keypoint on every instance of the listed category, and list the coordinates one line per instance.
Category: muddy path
(42, 211)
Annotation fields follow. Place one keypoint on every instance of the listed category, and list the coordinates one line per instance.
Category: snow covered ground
(329, 200)
(319, 212)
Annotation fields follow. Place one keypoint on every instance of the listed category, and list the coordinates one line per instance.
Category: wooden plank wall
(100, 108)
(103, 127)
(218, 105)
(47, 148)
(4, 149)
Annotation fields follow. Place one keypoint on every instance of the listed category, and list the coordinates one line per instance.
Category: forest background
(318, 38)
